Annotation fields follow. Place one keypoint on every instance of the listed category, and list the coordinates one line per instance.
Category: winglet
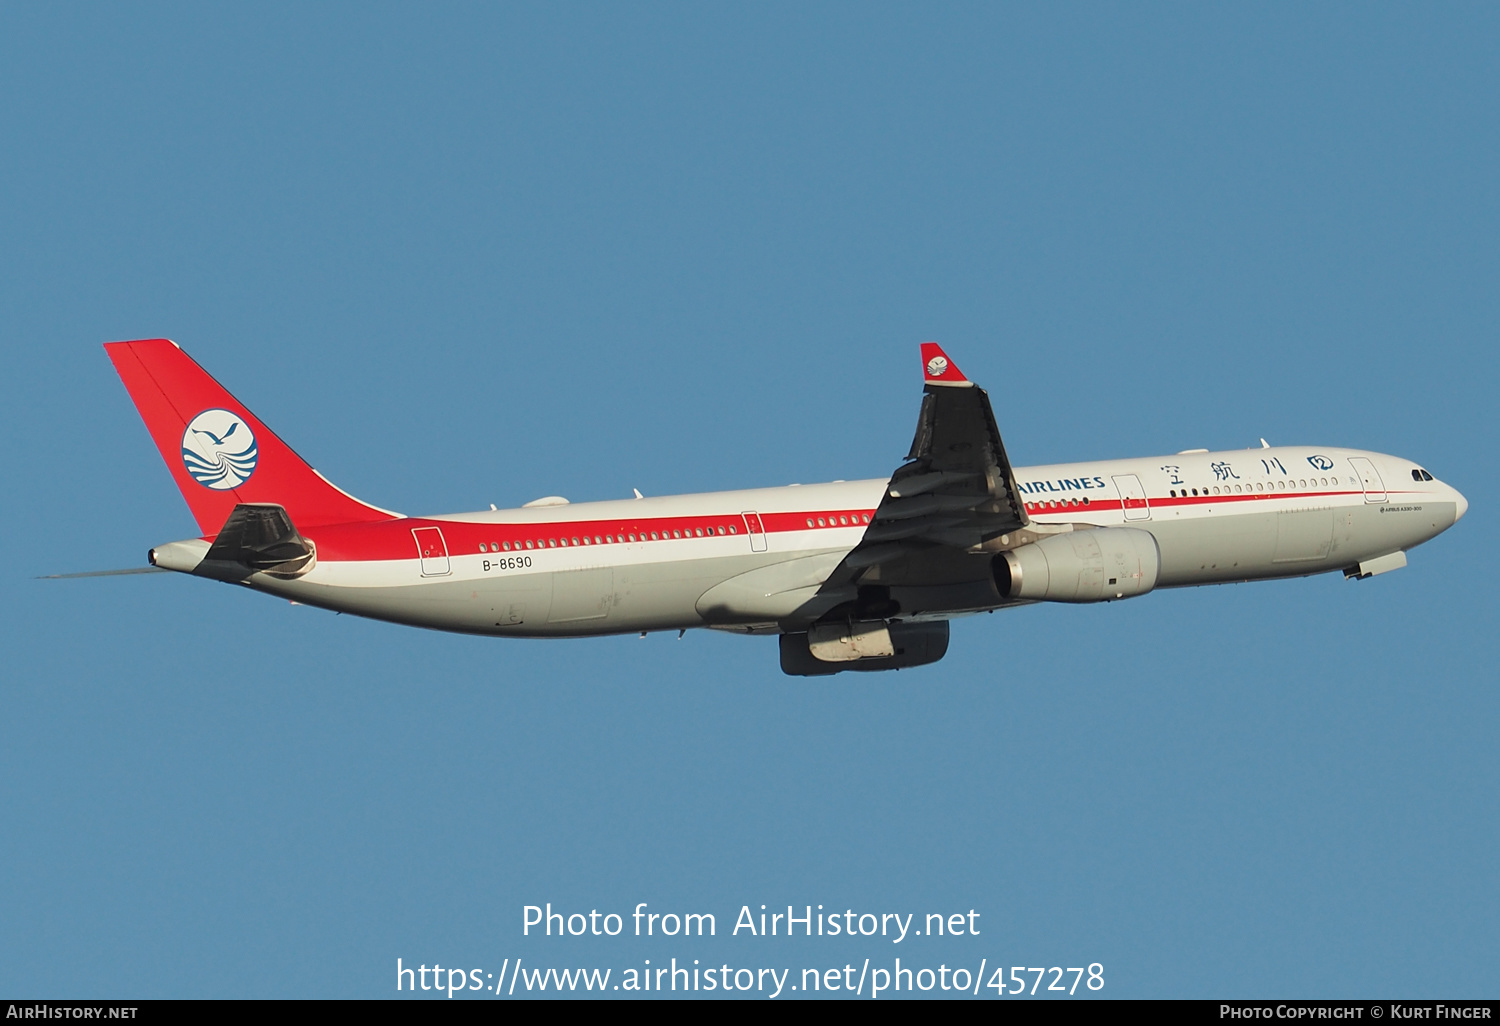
(937, 369)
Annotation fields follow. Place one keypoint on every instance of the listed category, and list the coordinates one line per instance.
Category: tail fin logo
(219, 451)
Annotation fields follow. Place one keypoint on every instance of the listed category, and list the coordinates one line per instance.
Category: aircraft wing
(956, 488)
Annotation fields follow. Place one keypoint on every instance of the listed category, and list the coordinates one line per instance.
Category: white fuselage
(754, 560)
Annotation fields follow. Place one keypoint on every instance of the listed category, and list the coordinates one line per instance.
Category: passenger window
(482, 548)
(1085, 502)
(809, 521)
(731, 529)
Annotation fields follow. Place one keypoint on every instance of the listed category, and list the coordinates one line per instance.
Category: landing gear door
(1132, 497)
(1369, 479)
(432, 550)
(756, 530)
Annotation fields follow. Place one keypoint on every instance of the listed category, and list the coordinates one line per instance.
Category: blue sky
(479, 254)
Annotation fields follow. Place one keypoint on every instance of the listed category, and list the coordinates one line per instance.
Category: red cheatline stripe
(393, 539)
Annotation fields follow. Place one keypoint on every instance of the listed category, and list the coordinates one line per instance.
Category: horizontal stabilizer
(261, 538)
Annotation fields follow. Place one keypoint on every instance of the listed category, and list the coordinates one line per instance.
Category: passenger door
(432, 550)
(1369, 479)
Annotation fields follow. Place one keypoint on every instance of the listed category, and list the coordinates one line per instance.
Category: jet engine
(1095, 565)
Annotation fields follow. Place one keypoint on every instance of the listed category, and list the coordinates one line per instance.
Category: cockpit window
(1419, 474)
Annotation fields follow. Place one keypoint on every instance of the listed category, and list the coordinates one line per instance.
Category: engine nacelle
(840, 648)
(1095, 565)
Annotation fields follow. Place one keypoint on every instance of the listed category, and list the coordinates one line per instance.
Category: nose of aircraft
(1460, 505)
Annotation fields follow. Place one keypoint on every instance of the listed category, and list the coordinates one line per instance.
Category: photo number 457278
(1020, 984)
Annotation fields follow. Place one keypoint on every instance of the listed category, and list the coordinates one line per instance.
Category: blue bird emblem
(218, 450)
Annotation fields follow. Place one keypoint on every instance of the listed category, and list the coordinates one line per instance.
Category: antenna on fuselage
(1264, 444)
(638, 494)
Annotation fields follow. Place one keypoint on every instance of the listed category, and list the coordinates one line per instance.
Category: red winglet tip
(937, 369)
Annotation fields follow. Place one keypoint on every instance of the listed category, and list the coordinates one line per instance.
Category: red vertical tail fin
(219, 453)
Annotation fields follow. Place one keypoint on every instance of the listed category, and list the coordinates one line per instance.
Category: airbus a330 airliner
(852, 575)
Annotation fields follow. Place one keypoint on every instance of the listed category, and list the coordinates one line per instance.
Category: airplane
(850, 575)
